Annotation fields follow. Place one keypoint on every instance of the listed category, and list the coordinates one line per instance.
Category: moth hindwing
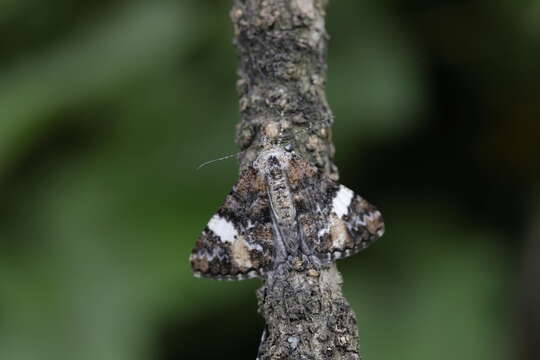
(281, 208)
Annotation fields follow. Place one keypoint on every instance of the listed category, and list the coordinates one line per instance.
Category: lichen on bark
(282, 52)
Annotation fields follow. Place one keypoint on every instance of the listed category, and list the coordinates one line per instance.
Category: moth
(282, 208)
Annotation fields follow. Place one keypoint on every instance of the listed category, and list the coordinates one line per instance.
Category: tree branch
(282, 48)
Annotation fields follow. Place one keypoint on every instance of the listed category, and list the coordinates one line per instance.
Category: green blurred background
(108, 107)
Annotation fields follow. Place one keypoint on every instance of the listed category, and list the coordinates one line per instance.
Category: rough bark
(282, 48)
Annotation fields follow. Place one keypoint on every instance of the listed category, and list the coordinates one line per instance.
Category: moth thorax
(281, 198)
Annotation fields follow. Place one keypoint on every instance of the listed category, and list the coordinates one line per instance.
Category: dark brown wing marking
(237, 243)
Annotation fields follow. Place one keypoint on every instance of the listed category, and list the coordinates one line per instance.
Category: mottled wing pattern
(333, 221)
(237, 243)
(354, 224)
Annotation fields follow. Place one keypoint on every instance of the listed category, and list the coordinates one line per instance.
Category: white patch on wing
(323, 232)
(255, 246)
(252, 274)
(222, 228)
(342, 200)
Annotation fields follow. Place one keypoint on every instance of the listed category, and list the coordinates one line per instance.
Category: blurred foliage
(107, 108)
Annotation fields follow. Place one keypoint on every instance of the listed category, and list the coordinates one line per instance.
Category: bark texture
(282, 48)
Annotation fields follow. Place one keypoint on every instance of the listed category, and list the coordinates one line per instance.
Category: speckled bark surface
(282, 47)
(307, 317)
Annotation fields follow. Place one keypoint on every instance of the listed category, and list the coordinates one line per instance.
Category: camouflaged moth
(281, 209)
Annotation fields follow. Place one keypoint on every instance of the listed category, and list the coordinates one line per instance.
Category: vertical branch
(282, 48)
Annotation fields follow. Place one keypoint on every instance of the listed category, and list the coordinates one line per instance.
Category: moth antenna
(214, 160)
